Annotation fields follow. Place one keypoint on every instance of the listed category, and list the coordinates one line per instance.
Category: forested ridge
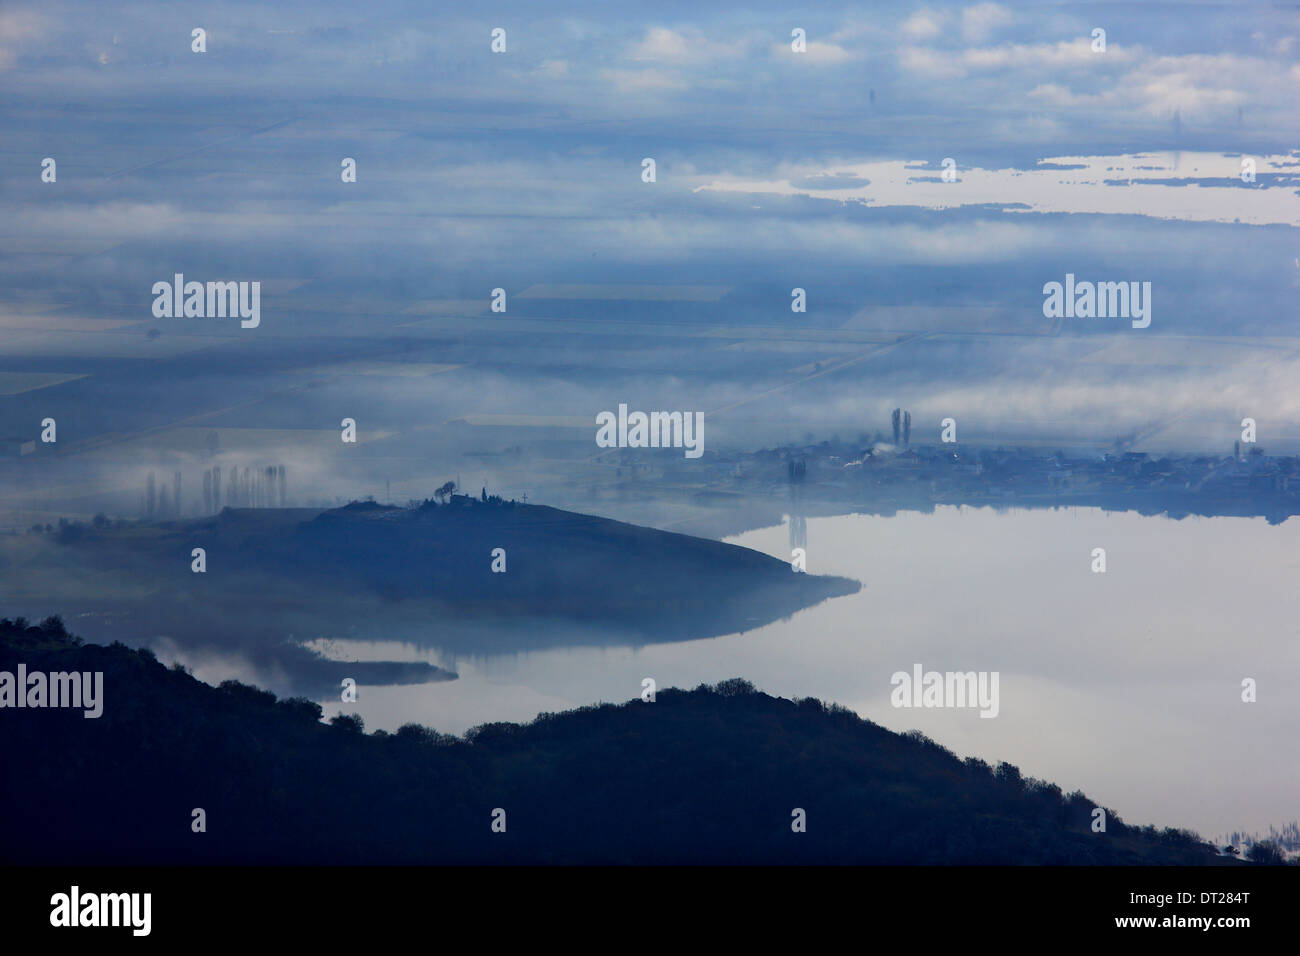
(710, 775)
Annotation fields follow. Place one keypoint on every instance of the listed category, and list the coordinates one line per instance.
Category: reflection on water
(1125, 684)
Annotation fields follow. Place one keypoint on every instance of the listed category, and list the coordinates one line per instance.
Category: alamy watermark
(1101, 300)
(84, 690)
(655, 430)
(211, 300)
(946, 689)
(75, 908)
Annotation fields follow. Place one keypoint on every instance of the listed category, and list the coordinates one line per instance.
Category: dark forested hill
(467, 563)
(711, 775)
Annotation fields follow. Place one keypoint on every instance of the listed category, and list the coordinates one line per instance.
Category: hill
(561, 578)
(704, 776)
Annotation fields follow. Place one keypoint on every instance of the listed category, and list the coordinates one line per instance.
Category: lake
(1125, 684)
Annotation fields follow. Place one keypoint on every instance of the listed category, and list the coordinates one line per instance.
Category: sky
(921, 172)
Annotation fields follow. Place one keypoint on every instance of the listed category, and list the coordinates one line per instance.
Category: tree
(1009, 773)
(303, 708)
(445, 491)
(52, 627)
(349, 722)
(1266, 852)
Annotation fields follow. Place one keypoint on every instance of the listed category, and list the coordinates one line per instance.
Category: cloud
(1201, 83)
(1133, 81)
(982, 20)
(923, 25)
(829, 53)
(1276, 46)
(1197, 86)
(818, 53)
(934, 64)
(643, 81)
(671, 56)
(17, 26)
(689, 46)
(940, 63)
